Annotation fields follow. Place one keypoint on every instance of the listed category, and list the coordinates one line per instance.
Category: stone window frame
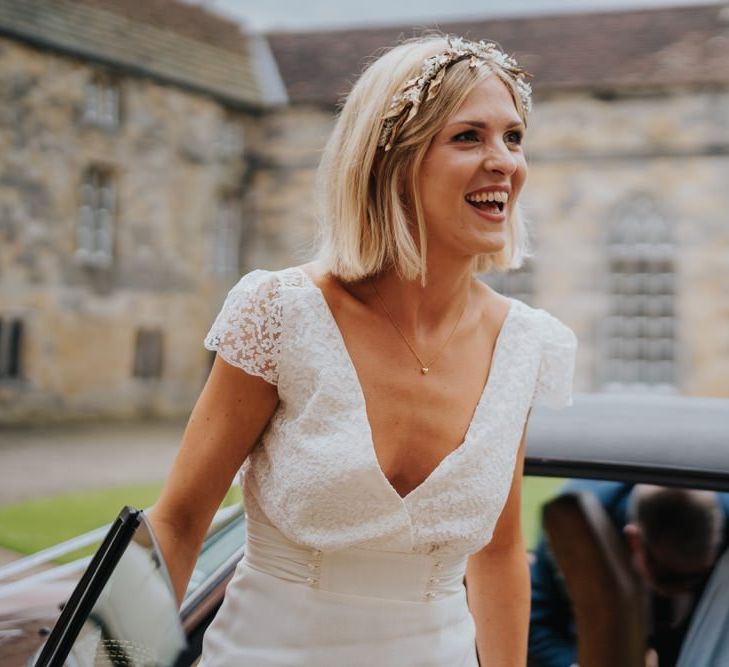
(102, 101)
(637, 346)
(96, 218)
(226, 236)
(12, 333)
(148, 353)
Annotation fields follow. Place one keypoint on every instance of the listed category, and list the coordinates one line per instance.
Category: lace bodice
(315, 475)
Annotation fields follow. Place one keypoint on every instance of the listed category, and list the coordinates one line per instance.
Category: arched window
(637, 342)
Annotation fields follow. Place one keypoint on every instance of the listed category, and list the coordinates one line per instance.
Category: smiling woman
(370, 181)
(474, 167)
(377, 399)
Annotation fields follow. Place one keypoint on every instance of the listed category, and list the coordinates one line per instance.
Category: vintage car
(33, 592)
(122, 610)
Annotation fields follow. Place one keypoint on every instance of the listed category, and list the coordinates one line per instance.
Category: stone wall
(290, 143)
(171, 160)
(588, 156)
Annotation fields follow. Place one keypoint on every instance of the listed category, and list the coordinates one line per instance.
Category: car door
(123, 610)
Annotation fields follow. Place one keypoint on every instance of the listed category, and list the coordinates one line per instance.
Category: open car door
(123, 610)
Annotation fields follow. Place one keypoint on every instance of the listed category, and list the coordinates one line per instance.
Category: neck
(423, 308)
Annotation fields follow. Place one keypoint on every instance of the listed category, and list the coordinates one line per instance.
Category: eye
(466, 136)
(514, 137)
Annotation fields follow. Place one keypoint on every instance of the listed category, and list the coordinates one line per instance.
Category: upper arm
(234, 407)
(508, 526)
(228, 419)
(557, 364)
(507, 532)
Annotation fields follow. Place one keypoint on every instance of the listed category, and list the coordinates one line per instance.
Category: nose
(499, 159)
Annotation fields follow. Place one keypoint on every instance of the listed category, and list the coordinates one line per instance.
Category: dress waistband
(390, 575)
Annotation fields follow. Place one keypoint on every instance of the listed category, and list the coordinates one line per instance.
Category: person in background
(674, 537)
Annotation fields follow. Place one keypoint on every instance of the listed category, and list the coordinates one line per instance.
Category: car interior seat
(594, 562)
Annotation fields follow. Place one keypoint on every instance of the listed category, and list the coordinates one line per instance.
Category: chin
(491, 247)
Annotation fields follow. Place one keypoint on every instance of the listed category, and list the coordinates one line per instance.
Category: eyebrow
(481, 125)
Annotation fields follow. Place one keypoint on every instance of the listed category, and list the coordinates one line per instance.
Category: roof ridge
(604, 51)
(442, 23)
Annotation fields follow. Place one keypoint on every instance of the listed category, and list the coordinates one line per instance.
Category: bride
(377, 399)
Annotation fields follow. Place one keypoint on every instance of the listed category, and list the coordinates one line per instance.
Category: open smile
(489, 204)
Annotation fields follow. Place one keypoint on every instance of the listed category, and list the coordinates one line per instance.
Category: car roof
(671, 440)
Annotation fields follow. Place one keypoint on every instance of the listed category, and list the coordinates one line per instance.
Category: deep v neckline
(354, 376)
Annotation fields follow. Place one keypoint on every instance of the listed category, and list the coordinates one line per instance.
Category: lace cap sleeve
(557, 366)
(247, 331)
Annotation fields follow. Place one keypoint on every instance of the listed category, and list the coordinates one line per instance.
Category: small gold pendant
(424, 370)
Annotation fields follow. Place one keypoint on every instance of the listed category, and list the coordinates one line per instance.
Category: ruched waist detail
(354, 571)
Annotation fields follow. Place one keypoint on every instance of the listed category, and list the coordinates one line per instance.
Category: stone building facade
(125, 207)
(631, 220)
(142, 174)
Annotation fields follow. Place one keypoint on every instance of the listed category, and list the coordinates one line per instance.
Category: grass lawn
(34, 525)
(37, 524)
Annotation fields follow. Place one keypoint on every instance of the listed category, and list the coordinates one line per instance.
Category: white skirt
(288, 605)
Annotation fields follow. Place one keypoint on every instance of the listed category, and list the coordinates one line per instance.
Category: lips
(490, 206)
(491, 200)
(489, 203)
(490, 213)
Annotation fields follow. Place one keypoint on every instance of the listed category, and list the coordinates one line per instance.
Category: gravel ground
(41, 461)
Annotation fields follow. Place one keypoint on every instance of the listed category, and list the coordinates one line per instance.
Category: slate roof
(656, 47)
(167, 40)
(191, 21)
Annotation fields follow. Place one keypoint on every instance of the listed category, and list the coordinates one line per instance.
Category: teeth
(500, 196)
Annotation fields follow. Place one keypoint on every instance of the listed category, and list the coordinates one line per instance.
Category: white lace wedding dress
(340, 570)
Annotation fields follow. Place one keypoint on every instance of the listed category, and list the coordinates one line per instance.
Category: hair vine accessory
(406, 102)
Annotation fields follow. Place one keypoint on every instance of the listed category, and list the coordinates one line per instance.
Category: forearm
(226, 422)
(498, 597)
(180, 552)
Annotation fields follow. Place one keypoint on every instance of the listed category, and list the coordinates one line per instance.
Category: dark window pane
(16, 343)
(11, 347)
(148, 354)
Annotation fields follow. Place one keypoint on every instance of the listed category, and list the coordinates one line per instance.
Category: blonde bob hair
(366, 223)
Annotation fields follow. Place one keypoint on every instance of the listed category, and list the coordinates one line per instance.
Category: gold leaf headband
(406, 102)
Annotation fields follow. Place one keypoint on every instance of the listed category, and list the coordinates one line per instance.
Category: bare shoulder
(491, 307)
(334, 290)
(316, 271)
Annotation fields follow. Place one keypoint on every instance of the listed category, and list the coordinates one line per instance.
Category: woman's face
(473, 172)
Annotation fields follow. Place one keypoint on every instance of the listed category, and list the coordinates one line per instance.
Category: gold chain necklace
(424, 368)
